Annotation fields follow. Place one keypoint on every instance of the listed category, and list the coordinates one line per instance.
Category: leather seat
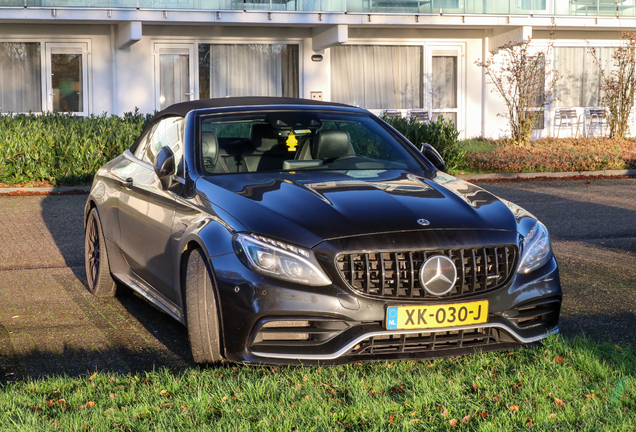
(331, 144)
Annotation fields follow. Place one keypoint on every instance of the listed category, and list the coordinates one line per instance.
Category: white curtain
(253, 70)
(174, 73)
(377, 77)
(580, 78)
(444, 81)
(20, 77)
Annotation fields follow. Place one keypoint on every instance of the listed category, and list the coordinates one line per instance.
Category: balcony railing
(622, 8)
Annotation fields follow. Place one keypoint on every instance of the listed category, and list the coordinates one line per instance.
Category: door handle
(128, 183)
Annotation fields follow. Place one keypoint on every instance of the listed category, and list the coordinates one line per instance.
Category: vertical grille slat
(396, 274)
(412, 275)
(367, 273)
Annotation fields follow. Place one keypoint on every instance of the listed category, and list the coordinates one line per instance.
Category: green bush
(62, 148)
(441, 134)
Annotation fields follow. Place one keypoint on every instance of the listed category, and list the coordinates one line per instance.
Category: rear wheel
(100, 282)
(201, 310)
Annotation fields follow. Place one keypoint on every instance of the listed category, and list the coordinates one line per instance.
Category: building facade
(414, 56)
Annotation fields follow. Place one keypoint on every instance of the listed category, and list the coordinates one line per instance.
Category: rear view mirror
(165, 167)
(433, 156)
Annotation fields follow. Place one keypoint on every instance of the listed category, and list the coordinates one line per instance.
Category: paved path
(50, 324)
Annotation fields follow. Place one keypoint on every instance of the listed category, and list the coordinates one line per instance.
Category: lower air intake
(430, 341)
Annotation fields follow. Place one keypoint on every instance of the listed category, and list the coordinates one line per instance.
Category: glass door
(444, 69)
(67, 77)
(174, 74)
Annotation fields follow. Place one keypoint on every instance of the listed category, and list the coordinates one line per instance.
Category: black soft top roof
(183, 108)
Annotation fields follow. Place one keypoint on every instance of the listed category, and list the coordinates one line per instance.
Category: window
(377, 77)
(20, 77)
(299, 140)
(66, 77)
(248, 70)
(580, 78)
(168, 132)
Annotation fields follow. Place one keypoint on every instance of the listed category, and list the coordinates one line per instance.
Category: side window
(168, 132)
(143, 142)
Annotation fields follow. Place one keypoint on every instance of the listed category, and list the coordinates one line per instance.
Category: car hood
(308, 207)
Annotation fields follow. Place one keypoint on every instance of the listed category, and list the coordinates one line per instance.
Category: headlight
(280, 260)
(537, 249)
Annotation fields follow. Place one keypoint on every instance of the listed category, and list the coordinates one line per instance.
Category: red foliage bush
(556, 154)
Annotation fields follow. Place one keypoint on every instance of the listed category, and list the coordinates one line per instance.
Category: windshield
(299, 140)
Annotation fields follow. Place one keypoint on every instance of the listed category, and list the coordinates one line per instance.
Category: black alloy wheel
(100, 282)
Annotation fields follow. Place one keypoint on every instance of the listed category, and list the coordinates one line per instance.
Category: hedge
(62, 148)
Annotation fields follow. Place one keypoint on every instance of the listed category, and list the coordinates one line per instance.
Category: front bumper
(334, 324)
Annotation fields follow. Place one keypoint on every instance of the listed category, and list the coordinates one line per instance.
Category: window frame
(45, 68)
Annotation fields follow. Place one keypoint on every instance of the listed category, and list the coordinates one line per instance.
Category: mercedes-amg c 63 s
(292, 231)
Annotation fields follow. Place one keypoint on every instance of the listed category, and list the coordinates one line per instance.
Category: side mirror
(433, 156)
(165, 167)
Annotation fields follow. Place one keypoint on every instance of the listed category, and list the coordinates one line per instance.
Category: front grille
(430, 341)
(396, 274)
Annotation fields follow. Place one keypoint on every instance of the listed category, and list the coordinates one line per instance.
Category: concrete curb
(54, 190)
(554, 175)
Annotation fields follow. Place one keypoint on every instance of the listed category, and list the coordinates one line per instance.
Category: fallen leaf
(224, 398)
(414, 412)
(552, 416)
(239, 410)
(92, 376)
(483, 414)
(112, 396)
(50, 403)
(466, 419)
(90, 404)
(112, 379)
(166, 405)
(475, 387)
(558, 360)
(495, 398)
(109, 411)
(589, 396)
(62, 401)
(445, 412)
(617, 346)
(391, 419)
(415, 420)
(453, 422)
(15, 316)
(559, 403)
(513, 408)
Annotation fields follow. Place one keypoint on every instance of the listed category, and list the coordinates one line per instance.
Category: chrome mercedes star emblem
(423, 222)
(438, 275)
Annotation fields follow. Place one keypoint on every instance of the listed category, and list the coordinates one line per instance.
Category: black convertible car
(291, 231)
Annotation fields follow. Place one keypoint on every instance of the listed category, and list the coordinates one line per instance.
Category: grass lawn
(565, 385)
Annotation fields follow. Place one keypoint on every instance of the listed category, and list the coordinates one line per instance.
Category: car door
(146, 210)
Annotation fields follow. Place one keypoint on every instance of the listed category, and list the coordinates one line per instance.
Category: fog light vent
(289, 333)
(284, 330)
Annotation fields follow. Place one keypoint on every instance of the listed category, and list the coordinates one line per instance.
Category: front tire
(201, 310)
(100, 282)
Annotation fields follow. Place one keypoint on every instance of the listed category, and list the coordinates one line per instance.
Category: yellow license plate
(436, 316)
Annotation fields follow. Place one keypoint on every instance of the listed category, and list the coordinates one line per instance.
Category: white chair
(420, 115)
(391, 113)
(595, 117)
(566, 118)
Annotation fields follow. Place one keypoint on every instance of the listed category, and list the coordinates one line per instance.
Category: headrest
(263, 137)
(210, 146)
(331, 144)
